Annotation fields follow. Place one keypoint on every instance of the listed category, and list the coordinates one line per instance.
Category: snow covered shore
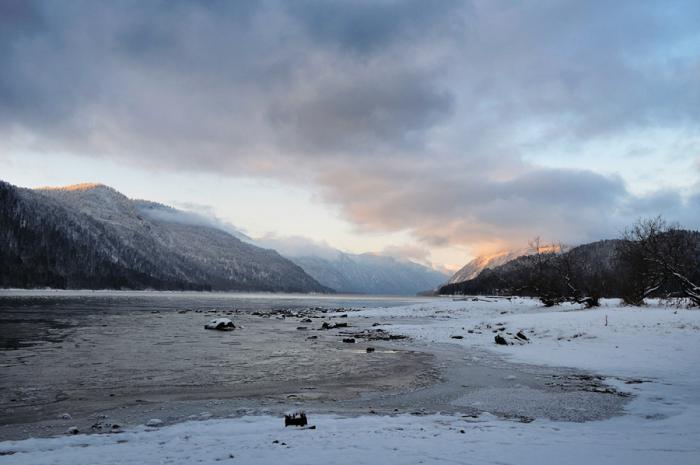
(651, 352)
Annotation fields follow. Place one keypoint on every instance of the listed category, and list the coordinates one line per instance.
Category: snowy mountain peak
(472, 269)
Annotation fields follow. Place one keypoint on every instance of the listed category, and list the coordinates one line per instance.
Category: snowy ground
(658, 345)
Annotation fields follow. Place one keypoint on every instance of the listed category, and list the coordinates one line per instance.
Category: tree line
(653, 258)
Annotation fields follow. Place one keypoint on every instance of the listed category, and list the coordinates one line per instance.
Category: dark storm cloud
(407, 114)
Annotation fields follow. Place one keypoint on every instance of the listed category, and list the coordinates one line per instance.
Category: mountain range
(366, 273)
(91, 236)
(595, 264)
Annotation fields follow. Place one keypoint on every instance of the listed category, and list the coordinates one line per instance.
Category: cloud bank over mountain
(408, 117)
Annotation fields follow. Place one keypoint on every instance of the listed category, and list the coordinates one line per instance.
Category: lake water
(87, 352)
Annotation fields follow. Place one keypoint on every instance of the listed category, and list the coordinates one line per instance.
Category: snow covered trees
(659, 258)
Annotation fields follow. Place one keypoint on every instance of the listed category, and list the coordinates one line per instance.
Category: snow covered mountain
(91, 236)
(358, 273)
(472, 269)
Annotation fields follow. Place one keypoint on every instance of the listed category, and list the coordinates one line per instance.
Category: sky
(432, 131)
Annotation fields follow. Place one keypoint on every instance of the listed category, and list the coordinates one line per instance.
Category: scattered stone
(370, 350)
(457, 337)
(66, 416)
(307, 320)
(500, 340)
(312, 337)
(73, 430)
(349, 340)
(302, 328)
(327, 325)
(521, 336)
(154, 422)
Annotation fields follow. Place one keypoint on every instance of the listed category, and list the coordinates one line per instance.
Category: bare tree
(544, 282)
(660, 257)
(582, 284)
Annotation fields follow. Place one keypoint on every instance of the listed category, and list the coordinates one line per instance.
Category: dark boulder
(295, 419)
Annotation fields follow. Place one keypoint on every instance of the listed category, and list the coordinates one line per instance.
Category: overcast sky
(431, 130)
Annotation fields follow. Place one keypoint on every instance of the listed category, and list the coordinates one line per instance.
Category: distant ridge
(367, 273)
(72, 187)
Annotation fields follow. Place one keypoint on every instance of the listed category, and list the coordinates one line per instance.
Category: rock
(295, 419)
(457, 337)
(312, 337)
(66, 416)
(221, 324)
(307, 320)
(521, 336)
(327, 325)
(370, 350)
(302, 328)
(349, 340)
(73, 430)
(500, 340)
(154, 422)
